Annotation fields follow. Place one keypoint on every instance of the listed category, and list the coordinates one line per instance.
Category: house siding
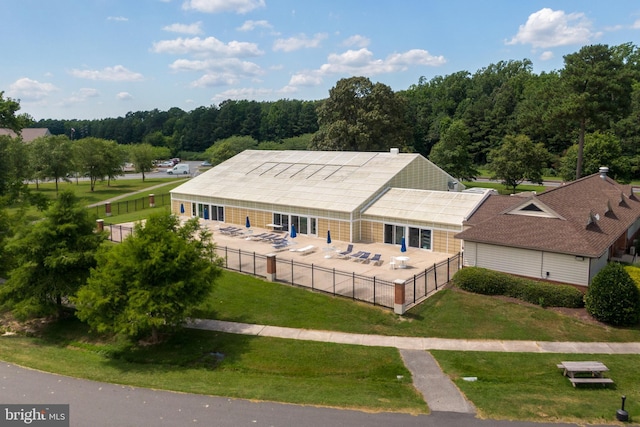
(565, 268)
(470, 253)
(597, 264)
(523, 262)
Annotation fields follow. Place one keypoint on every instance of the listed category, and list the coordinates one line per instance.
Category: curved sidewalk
(418, 343)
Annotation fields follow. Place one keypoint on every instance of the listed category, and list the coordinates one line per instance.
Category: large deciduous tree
(98, 159)
(452, 153)
(9, 117)
(142, 157)
(517, 160)
(361, 116)
(51, 259)
(153, 281)
(51, 158)
(600, 149)
(598, 90)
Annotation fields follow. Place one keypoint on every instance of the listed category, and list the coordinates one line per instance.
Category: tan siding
(523, 262)
(565, 268)
(470, 250)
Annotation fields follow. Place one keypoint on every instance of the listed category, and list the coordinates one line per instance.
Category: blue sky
(92, 59)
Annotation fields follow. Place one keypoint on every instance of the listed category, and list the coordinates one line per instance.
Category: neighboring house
(566, 234)
(27, 134)
(358, 196)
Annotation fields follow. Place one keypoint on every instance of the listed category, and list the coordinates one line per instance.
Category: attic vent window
(531, 208)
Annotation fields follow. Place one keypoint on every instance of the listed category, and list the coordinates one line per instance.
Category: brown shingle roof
(28, 134)
(588, 215)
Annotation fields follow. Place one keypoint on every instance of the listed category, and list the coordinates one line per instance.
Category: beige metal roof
(330, 180)
(27, 134)
(442, 207)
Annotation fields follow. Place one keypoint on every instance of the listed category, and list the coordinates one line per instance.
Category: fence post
(152, 200)
(271, 267)
(435, 274)
(399, 303)
(107, 208)
(100, 225)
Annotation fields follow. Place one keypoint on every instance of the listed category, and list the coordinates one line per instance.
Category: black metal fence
(371, 290)
(421, 285)
(127, 206)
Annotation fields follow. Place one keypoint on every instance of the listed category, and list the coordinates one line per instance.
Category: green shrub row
(489, 282)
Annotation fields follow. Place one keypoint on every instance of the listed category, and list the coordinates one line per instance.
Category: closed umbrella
(181, 208)
(328, 237)
(403, 245)
(293, 233)
(247, 223)
(206, 213)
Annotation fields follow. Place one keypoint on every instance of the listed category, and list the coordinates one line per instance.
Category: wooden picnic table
(585, 372)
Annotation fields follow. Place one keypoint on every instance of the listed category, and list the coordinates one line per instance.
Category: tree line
(577, 114)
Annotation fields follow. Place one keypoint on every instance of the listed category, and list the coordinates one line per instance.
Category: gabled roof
(427, 206)
(330, 180)
(583, 217)
(27, 134)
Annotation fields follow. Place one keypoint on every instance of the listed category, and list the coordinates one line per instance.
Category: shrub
(489, 282)
(613, 297)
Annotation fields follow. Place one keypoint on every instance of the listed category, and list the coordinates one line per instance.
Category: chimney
(394, 151)
(603, 172)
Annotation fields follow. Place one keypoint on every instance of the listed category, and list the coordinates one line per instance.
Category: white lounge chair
(306, 250)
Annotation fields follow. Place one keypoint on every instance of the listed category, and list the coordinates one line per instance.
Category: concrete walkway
(440, 393)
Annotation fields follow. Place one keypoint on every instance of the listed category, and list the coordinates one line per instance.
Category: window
(213, 212)
(419, 238)
(393, 234)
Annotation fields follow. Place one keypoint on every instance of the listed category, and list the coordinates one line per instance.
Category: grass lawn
(531, 387)
(230, 365)
(450, 313)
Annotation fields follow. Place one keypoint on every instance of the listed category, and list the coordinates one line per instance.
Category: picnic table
(586, 372)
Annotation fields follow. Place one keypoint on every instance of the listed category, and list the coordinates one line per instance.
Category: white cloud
(26, 89)
(550, 28)
(356, 41)
(362, 62)
(117, 18)
(195, 28)
(231, 65)
(113, 74)
(300, 42)
(546, 55)
(241, 94)
(252, 25)
(215, 79)
(210, 45)
(124, 96)
(636, 25)
(82, 95)
(306, 78)
(219, 6)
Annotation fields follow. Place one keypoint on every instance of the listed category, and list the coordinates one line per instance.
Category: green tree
(142, 156)
(600, 149)
(598, 90)
(9, 117)
(98, 159)
(13, 173)
(452, 153)
(361, 116)
(51, 258)
(153, 281)
(517, 160)
(229, 147)
(52, 158)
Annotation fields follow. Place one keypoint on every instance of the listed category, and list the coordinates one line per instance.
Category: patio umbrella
(206, 213)
(403, 245)
(328, 237)
(293, 233)
(181, 208)
(247, 223)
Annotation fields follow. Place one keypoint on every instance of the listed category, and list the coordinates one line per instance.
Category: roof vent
(603, 172)
(394, 151)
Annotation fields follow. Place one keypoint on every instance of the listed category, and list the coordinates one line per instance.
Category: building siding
(565, 268)
(523, 262)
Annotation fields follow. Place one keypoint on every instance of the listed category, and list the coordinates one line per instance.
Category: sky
(93, 59)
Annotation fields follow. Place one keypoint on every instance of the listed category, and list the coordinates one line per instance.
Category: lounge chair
(357, 255)
(306, 250)
(346, 252)
(280, 245)
(364, 258)
(376, 259)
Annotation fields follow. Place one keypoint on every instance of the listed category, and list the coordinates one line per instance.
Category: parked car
(180, 168)
(205, 163)
(167, 164)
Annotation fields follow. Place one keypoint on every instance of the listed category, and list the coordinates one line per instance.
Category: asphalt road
(99, 404)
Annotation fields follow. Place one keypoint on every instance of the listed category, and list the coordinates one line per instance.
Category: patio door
(393, 234)
(304, 225)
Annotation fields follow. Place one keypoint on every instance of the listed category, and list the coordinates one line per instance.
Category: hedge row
(488, 282)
